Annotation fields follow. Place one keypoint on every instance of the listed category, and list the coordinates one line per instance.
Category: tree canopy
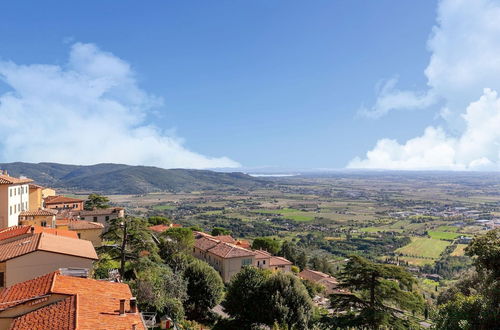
(473, 302)
(96, 201)
(375, 295)
(204, 288)
(269, 244)
(257, 296)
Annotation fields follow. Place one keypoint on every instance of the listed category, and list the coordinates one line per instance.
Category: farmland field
(424, 247)
(447, 236)
(459, 250)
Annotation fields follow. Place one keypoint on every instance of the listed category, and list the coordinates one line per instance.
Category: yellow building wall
(36, 201)
(93, 235)
(46, 192)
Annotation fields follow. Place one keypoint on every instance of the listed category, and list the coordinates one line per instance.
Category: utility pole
(123, 225)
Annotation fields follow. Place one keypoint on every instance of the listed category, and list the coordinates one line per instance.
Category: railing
(149, 319)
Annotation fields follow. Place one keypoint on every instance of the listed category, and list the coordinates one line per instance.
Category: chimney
(122, 307)
(133, 305)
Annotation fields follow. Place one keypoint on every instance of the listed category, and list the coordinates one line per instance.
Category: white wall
(18, 201)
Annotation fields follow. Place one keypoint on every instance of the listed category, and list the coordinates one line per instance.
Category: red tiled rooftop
(49, 243)
(13, 231)
(161, 228)
(225, 238)
(279, 261)
(58, 315)
(82, 224)
(6, 179)
(227, 250)
(38, 213)
(61, 199)
(96, 302)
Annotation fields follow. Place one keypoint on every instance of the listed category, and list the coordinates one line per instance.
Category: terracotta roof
(205, 243)
(49, 243)
(96, 302)
(38, 213)
(227, 250)
(225, 238)
(5, 179)
(106, 211)
(54, 231)
(243, 243)
(58, 315)
(159, 228)
(13, 231)
(261, 254)
(82, 224)
(27, 290)
(316, 276)
(61, 199)
(35, 186)
(279, 261)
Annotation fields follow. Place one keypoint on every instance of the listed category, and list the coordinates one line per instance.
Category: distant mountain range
(126, 179)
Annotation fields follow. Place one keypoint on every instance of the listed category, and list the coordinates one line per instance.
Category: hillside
(125, 179)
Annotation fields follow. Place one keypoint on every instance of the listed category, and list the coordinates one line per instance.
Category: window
(95, 219)
(263, 262)
(83, 218)
(79, 235)
(246, 262)
(43, 223)
(11, 193)
(11, 210)
(107, 218)
(2, 279)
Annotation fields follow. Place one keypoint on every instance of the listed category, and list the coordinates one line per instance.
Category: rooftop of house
(82, 224)
(161, 228)
(48, 243)
(261, 254)
(82, 303)
(105, 211)
(279, 261)
(228, 250)
(61, 199)
(225, 239)
(38, 213)
(14, 231)
(316, 276)
(35, 186)
(6, 179)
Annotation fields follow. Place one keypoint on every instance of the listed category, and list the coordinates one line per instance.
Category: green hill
(125, 179)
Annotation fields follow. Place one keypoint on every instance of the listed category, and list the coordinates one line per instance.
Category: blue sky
(261, 83)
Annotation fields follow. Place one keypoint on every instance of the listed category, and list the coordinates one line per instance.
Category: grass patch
(288, 213)
(448, 236)
(459, 250)
(452, 229)
(417, 261)
(424, 247)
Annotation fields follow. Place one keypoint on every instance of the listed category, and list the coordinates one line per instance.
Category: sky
(252, 84)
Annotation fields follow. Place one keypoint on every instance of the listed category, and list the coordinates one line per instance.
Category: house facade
(102, 216)
(42, 218)
(63, 203)
(228, 258)
(36, 199)
(14, 199)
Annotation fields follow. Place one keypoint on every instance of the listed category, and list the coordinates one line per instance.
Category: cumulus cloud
(464, 74)
(88, 111)
(478, 148)
(464, 48)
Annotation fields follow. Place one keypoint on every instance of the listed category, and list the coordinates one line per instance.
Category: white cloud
(477, 148)
(390, 98)
(465, 48)
(88, 111)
